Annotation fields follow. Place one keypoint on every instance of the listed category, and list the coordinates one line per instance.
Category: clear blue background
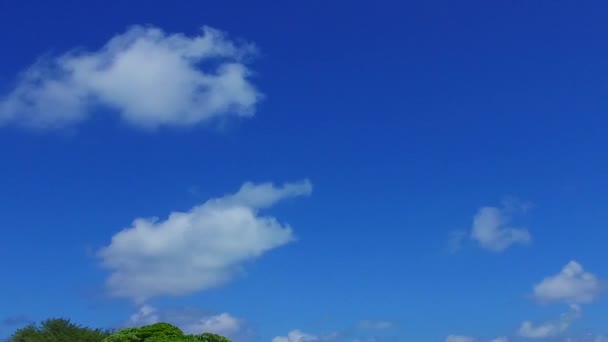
(406, 116)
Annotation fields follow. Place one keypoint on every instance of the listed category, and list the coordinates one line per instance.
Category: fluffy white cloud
(299, 336)
(223, 324)
(150, 78)
(459, 338)
(572, 285)
(492, 231)
(190, 322)
(369, 324)
(198, 249)
(296, 336)
(549, 329)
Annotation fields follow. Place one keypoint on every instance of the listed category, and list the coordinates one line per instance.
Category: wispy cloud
(371, 324)
(299, 336)
(500, 339)
(148, 77)
(529, 329)
(459, 338)
(465, 338)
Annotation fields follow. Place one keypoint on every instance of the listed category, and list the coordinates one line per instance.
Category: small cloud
(299, 336)
(148, 77)
(572, 285)
(198, 249)
(500, 339)
(550, 329)
(492, 231)
(380, 325)
(463, 338)
(587, 338)
(459, 338)
(146, 315)
(512, 204)
(223, 324)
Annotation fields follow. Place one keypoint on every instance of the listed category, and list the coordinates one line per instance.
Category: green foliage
(208, 337)
(161, 332)
(58, 330)
(125, 335)
(62, 330)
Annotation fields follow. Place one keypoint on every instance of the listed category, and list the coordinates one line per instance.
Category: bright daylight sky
(307, 171)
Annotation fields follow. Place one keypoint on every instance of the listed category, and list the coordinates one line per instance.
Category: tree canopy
(58, 330)
(161, 332)
(62, 330)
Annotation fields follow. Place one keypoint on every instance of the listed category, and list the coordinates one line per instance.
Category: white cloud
(299, 336)
(459, 338)
(572, 285)
(149, 77)
(223, 324)
(190, 322)
(549, 329)
(464, 338)
(198, 249)
(588, 338)
(500, 339)
(369, 324)
(146, 315)
(544, 330)
(296, 336)
(492, 231)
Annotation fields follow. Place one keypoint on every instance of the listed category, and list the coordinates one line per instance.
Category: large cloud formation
(198, 249)
(149, 77)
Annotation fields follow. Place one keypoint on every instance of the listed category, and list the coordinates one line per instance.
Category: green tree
(208, 337)
(58, 330)
(161, 332)
(124, 335)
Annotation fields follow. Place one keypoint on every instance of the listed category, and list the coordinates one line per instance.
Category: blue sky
(423, 170)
